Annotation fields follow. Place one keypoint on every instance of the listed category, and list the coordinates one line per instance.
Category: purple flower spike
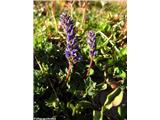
(71, 51)
(92, 43)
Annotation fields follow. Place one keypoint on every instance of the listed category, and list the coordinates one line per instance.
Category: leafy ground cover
(101, 95)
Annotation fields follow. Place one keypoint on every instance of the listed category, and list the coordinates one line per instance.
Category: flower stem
(90, 65)
(69, 70)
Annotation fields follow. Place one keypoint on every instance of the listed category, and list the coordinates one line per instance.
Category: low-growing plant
(80, 62)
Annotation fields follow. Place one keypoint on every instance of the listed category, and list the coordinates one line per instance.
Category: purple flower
(72, 48)
(92, 43)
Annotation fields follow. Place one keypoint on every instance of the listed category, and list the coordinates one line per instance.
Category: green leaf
(101, 86)
(116, 70)
(122, 111)
(85, 103)
(96, 115)
(118, 99)
(102, 51)
(119, 111)
(52, 102)
(48, 47)
(111, 97)
(78, 106)
(90, 87)
(123, 51)
(123, 75)
(110, 62)
(71, 106)
(91, 72)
